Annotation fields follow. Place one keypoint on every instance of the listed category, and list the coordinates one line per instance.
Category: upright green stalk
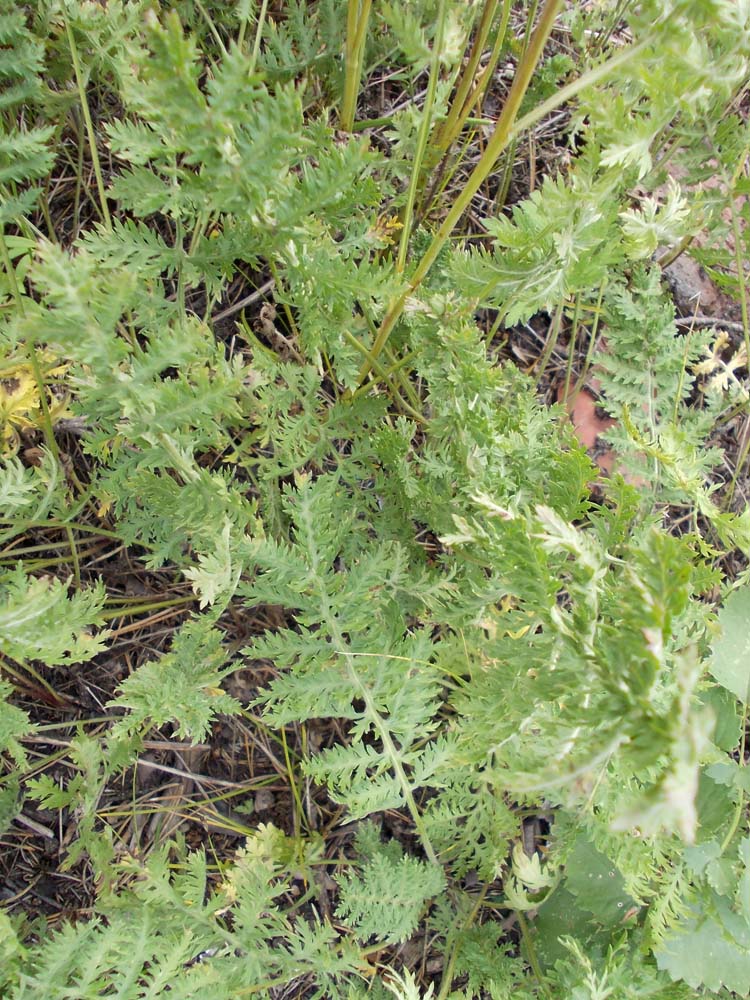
(741, 801)
(357, 16)
(531, 954)
(477, 94)
(424, 132)
(495, 147)
(506, 129)
(499, 139)
(467, 97)
(258, 35)
(452, 124)
(94, 152)
(740, 265)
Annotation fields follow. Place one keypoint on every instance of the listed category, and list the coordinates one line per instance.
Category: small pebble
(264, 800)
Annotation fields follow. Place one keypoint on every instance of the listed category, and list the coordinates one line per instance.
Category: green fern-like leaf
(183, 686)
(14, 724)
(39, 621)
(385, 899)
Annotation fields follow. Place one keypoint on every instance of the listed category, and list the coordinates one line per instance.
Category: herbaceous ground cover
(373, 499)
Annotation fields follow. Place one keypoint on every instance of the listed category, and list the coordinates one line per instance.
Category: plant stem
(592, 341)
(670, 256)
(74, 557)
(64, 524)
(357, 16)
(552, 337)
(424, 132)
(381, 371)
(86, 111)
(740, 265)
(461, 103)
(447, 977)
(258, 35)
(26, 668)
(531, 953)
(138, 609)
(211, 26)
(476, 97)
(298, 810)
(495, 147)
(571, 348)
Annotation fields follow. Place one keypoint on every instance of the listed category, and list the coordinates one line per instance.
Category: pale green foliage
(13, 725)
(385, 899)
(568, 235)
(151, 405)
(351, 655)
(711, 947)
(489, 965)
(182, 686)
(563, 239)
(38, 620)
(241, 139)
(25, 153)
(493, 638)
(619, 974)
(646, 371)
(90, 767)
(652, 224)
(731, 654)
(407, 30)
(31, 493)
(305, 38)
(528, 882)
(167, 932)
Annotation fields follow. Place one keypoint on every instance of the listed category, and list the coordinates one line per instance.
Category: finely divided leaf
(39, 621)
(387, 899)
(182, 686)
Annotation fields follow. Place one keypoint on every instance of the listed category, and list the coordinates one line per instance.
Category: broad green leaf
(707, 954)
(731, 651)
(597, 885)
(728, 724)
